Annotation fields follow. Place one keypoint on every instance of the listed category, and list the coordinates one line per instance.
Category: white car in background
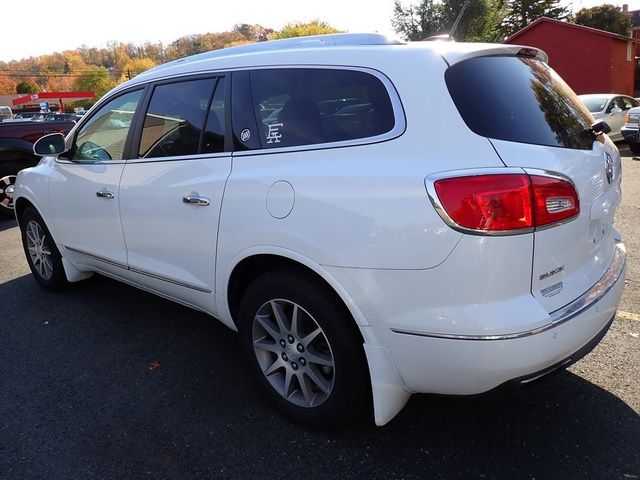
(611, 108)
(428, 236)
(631, 131)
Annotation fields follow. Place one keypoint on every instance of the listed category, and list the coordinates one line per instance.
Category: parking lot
(106, 381)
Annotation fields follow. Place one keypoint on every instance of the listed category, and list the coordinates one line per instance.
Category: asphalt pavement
(107, 381)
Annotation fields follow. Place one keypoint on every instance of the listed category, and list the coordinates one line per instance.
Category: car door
(615, 118)
(83, 190)
(171, 193)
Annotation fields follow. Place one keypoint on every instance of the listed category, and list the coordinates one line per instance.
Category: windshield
(594, 104)
(519, 99)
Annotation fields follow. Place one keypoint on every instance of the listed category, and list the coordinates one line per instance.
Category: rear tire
(313, 368)
(634, 147)
(43, 256)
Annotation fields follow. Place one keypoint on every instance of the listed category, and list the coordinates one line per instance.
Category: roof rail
(337, 39)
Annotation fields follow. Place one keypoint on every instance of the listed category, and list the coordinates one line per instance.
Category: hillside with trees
(100, 69)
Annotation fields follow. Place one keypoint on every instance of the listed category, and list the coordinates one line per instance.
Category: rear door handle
(196, 200)
(105, 194)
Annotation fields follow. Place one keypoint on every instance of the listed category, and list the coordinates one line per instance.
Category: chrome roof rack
(337, 39)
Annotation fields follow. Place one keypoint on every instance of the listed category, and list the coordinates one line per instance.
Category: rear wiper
(596, 129)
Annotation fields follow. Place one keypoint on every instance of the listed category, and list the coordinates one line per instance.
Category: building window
(629, 51)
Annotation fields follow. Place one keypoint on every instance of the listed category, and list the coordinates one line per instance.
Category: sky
(32, 31)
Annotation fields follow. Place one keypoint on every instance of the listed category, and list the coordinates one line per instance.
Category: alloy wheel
(293, 353)
(7, 186)
(39, 251)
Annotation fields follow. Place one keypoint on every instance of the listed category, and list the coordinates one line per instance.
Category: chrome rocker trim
(557, 317)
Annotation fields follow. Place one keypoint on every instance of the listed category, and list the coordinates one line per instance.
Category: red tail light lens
(506, 202)
(555, 200)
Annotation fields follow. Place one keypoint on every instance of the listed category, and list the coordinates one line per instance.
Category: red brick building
(589, 60)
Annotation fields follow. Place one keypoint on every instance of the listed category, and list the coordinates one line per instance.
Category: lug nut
(284, 357)
(283, 343)
(294, 365)
(302, 361)
(300, 347)
(291, 339)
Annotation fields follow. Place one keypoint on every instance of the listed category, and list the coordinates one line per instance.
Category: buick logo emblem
(609, 168)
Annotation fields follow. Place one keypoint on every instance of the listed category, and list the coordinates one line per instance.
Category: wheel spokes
(293, 353)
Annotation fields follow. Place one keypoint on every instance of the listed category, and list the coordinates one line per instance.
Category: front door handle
(105, 194)
(196, 200)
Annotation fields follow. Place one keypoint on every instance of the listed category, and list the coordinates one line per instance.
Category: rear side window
(311, 106)
(520, 100)
(174, 124)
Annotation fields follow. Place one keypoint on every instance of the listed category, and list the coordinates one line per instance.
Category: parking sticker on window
(245, 135)
(274, 135)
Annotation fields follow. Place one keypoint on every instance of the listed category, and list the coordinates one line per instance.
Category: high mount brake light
(506, 203)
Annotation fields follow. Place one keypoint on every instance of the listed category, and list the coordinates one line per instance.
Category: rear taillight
(505, 203)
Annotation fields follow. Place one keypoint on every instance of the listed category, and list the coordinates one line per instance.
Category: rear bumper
(463, 365)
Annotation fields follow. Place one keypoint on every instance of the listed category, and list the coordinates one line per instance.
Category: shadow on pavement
(6, 224)
(107, 381)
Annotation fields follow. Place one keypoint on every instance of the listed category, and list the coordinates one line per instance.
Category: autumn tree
(605, 17)
(521, 13)
(303, 29)
(135, 67)
(7, 85)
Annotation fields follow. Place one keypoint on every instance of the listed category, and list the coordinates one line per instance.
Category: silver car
(611, 108)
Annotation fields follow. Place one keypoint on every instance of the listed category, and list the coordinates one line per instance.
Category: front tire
(7, 185)
(304, 350)
(43, 256)
(634, 147)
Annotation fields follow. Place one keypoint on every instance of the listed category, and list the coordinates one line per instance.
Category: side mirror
(615, 110)
(52, 144)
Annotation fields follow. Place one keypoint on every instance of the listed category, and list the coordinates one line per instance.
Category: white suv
(375, 218)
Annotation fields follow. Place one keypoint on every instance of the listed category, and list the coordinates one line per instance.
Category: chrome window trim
(399, 116)
(472, 172)
(585, 301)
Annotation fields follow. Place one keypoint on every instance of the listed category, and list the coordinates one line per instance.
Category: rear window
(310, 106)
(520, 100)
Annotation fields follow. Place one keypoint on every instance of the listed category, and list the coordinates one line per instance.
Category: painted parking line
(628, 316)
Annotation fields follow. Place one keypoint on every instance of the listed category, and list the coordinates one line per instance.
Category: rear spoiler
(453, 53)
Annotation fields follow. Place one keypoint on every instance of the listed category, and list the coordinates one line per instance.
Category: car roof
(314, 49)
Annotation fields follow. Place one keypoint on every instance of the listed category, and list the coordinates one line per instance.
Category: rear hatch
(536, 122)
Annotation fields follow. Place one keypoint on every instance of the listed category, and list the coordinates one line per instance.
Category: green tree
(94, 79)
(480, 20)
(27, 86)
(301, 29)
(605, 17)
(521, 13)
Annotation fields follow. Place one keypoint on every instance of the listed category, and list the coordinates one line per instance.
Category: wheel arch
(254, 263)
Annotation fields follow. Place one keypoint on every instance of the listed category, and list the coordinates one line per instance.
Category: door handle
(105, 194)
(195, 200)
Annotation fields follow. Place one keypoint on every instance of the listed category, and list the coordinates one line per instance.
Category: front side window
(305, 106)
(174, 122)
(104, 135)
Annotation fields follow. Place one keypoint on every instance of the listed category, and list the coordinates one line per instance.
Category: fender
(390, 394)
(222, 284)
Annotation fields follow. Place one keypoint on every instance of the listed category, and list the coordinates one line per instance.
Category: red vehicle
(16, 153)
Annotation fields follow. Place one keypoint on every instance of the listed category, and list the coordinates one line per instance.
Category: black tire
(634, 147)
(50, 275)
(7, 181)
(349, 396)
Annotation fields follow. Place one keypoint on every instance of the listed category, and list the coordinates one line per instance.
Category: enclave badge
(609, 168)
